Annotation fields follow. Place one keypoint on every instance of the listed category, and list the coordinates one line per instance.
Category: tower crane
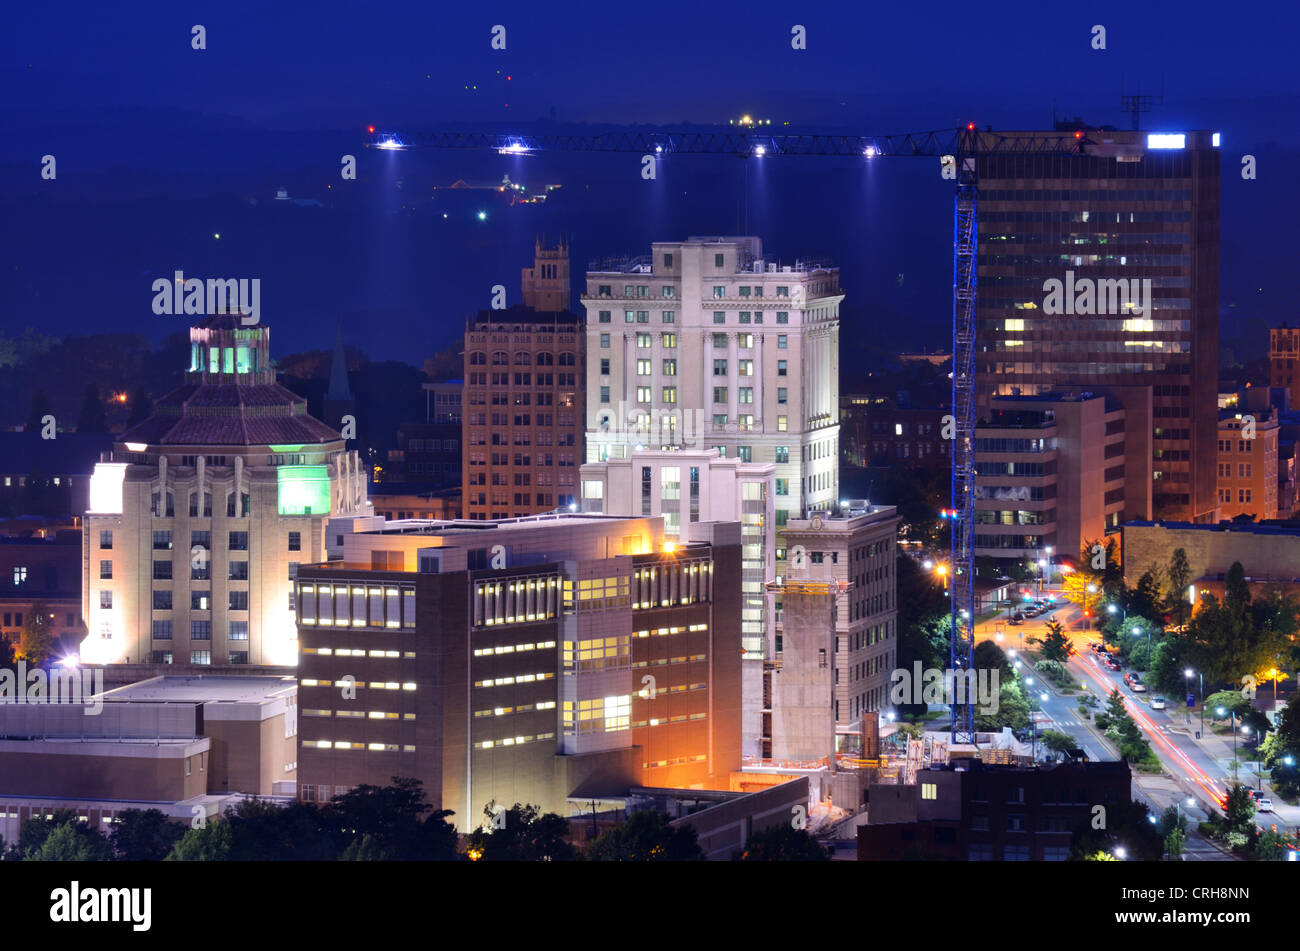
(959, 151)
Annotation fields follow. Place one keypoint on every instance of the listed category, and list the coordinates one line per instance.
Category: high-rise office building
(546, 659)
(204, 511)
(705, 343)
(1103, 268)
(687, 486)
(522, 412)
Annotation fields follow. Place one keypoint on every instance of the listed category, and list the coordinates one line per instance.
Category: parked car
(1264, 804)
(1112, 663)
(1158, 703)
(1135, 682)
(1096, 647)
(1016, 618)
(1257, 794)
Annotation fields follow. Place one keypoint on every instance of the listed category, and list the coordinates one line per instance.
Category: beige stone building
(202, 513)
(1247, 467)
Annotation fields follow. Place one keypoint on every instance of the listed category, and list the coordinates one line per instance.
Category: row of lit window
(358, 714)
(660, 721)
(699, 758)
(522, 708)
(512, 648)
(520, 679)
(662, 631)
(373, 685)
(346, 745)
(356, 652)
(513, 741)
(674, 660)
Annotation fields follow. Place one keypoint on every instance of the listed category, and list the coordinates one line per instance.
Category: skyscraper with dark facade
(1102, 268)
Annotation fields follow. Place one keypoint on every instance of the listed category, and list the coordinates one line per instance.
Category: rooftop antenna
(1137, 103)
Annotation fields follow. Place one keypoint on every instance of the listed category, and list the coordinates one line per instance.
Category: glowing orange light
(370, 129)
(1078, 135)
(970, 127)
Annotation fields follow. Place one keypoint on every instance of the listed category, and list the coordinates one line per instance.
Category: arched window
(523, 359)
(500, 359)
(546, 359)
(478, 358)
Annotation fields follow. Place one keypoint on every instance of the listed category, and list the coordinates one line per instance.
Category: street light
(1188, 674)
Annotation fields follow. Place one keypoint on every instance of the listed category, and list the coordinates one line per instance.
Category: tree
(1012, 711)
(1174, 842)
(1077, 585)
(1180, 578)
(783, 843)
(1125, 825)
(1166, 671)
(91, 418)
(1145, 600)
(1125, 733)
(71, 842)
(1058, 742)
(522, 833)
(1239, 812)
(144, 835)
(646, 836)
(1229, 701)
(1056, 645)
(393, 819)
(208, 843)
(1271, 846)
(987, 655)
(37, 642)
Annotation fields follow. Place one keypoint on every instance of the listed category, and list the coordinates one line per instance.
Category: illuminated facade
(1103, 269)
(522, 421)
(685, 486)
(703, 344)
(1247, 470)
(527, 660)
(202, 514)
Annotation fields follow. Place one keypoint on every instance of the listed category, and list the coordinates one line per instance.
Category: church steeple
(339, 391)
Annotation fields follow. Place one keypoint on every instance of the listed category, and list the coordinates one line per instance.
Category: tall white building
(706, 344)
(198, 522)
(700, 485)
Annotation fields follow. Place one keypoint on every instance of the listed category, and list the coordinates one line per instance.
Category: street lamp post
(1188, 674)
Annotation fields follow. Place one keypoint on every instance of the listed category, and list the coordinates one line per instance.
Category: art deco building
(1128, 232)
(546, 659)
(704, 343)
(202, 513)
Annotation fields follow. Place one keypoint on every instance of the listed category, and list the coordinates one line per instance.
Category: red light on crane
(370, 129)
(970, 127)
(1078, 134)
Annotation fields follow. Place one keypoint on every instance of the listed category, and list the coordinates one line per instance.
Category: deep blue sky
(159, 147)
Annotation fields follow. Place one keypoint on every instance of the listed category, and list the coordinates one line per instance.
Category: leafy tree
(1172, 818)
(1013, 709)
(1239, 812)
(1145, 600)
(8, 660)
(1180, 578)
(37, 642)
(522, 833)
(71, 842)
(209, 843)
(1229, 701)
(646, 836)
(987, 655)
(1122, 729)
(1271, 846)
(1175, 839)
(1058, 742)
(91, 417)
(923, 622)
(783, 843)
(1056, 645)
(144, 835)
(1166, 669)
(1127, 825)
(393, 819)
(1077, 585)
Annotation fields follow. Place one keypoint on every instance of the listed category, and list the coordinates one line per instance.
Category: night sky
(160, 148)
